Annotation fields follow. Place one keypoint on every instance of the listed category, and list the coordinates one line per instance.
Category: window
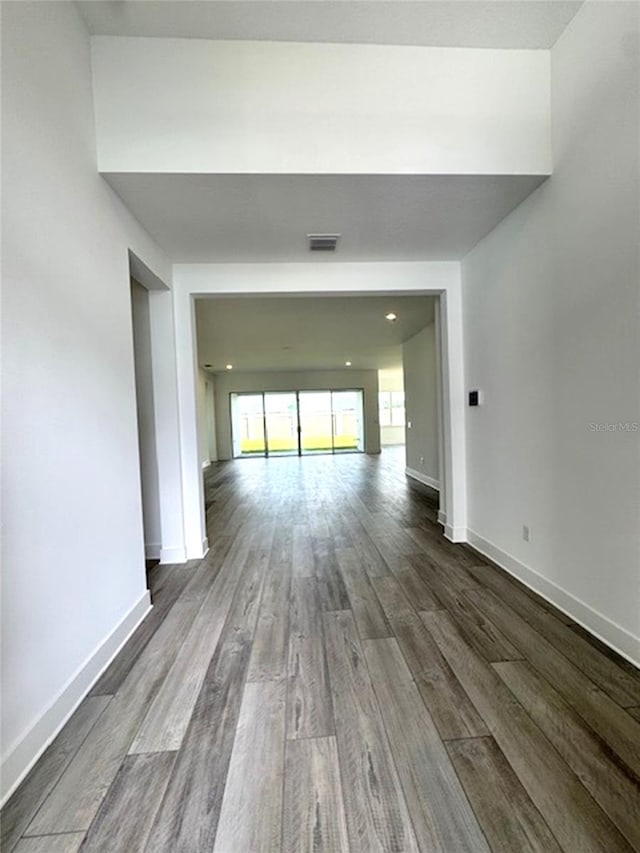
(391, 407)
(384, 403)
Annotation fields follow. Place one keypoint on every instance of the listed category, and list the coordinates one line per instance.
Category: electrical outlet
(422, 460)
(526, 533)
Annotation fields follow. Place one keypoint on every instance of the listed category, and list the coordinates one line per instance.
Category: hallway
(334, 676)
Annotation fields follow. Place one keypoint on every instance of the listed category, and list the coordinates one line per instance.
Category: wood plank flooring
(336, 676)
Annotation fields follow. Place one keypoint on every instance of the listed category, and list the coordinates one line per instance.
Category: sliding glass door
(285, 423)
(281, 423)
(348, 429)
(247, 419)
(316, 435)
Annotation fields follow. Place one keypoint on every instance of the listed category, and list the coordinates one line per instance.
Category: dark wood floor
(336, 676)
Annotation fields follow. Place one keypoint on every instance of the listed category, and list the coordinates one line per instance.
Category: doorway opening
(297, 423)
(149, 485)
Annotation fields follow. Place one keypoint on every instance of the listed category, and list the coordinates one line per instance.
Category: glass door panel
(316, 434)
(281, 418)
(247, 425)
(285, 423)
(348, 431)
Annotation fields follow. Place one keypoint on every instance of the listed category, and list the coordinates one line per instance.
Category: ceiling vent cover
(323, 242)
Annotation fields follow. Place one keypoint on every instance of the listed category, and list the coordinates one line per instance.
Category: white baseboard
(198, 550)
(173, 555)
(612, 634)
(29, 747)
(206, 464)
(455, 534)
(442, 517)
(423, 478)
(152, 551)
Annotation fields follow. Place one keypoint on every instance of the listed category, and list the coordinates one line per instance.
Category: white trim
(29, 747)
(304, 279)
(206, 464)
(199, 551)
(442, 467)
(152, 551)
(453, 473)
(173, 555)
(144, 275)
(612, 634)
(455, 534)
(423, 478)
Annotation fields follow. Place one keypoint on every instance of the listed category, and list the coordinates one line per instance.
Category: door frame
(441, 279)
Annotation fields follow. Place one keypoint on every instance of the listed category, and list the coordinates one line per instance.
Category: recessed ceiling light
(229, 366)
(347, 364)
(391, 316)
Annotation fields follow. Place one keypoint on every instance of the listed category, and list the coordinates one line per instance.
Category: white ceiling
(200, 218)
(307, 333)
(453, 23)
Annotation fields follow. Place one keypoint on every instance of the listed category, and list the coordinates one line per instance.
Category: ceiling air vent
(323, 242)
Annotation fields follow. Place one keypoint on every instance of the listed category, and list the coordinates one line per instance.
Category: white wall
(211, 418)
(203, 419)
(551, 309)
(305, 380)
(146, 420)
(420, 365)
(194, 105)
(207, 438)
(392, 436)
(72, 543)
